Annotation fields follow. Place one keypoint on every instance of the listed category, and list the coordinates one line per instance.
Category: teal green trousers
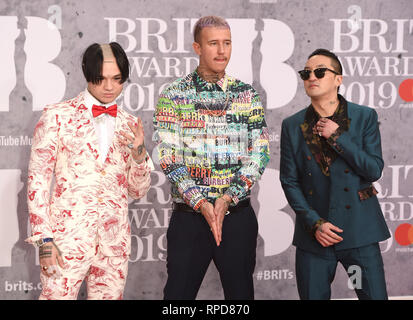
(364, 266)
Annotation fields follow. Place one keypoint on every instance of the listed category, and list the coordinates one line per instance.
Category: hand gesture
(326, 127)
(135, 142)
(220, 210)
(49, 256)
(207, 210)
(326, 236)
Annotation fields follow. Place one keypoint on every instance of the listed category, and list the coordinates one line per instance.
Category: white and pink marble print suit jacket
(89, 203)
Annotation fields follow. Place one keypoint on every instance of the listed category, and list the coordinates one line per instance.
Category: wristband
(41, 242)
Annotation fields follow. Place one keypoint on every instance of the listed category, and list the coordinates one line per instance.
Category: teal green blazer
(340, 198)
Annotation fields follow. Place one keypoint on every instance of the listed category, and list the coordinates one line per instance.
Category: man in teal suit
(330, 156)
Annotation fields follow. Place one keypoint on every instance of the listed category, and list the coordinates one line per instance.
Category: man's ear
(197, 48)
(339, 80)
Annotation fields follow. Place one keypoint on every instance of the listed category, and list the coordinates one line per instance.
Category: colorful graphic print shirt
(212, 139)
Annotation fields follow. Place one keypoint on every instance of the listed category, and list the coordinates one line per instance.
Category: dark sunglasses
(319, 73)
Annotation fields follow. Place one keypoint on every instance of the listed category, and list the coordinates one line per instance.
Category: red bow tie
(98, 110)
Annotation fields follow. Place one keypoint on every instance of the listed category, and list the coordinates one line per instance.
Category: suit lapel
(313, 140)
(322, 152)
(85, 127)
(114, 145)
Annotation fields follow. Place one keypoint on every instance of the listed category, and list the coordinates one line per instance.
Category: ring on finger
(130, 145)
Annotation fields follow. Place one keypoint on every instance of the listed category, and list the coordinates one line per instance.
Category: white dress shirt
(104, 124)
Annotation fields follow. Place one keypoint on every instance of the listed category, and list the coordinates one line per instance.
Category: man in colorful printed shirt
(213, 147)
(330, 156)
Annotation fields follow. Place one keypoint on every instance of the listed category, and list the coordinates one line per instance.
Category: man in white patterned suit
(96, 153)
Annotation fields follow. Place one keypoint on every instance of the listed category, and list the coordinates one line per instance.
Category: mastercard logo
(406, 90)
(404, 234)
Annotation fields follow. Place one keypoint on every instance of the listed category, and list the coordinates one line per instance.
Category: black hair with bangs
(92, 61)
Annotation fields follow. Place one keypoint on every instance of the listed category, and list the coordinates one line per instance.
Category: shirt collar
(202, 85)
